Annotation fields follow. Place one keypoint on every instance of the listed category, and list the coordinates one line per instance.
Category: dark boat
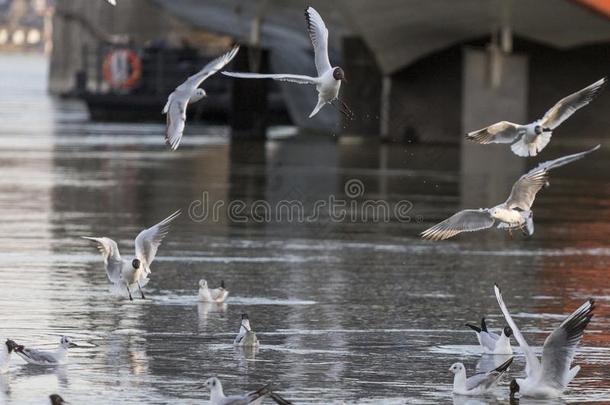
(148, 76)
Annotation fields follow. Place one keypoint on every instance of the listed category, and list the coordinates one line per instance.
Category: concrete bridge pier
(494, 88)
(362, 92)
(249, 111)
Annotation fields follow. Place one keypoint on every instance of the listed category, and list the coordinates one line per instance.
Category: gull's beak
(73, 345)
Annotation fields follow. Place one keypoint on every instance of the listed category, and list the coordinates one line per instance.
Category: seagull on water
(550, 377)
(130, 273)
(478, 384)
(46, 358)
(491, 342)
(111, 2)
(206, 294)
(514, 213)
(529, 139)
(189, 92)
(217, 396)
(56, 399)
(329, 78)
(245, 336)
(5, 354)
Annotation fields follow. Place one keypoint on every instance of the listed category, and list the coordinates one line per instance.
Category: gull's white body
(502, 345)
(328, 90)
(550, 377)
(478, 384)
(46, 358)
(492, 343)
(530, 139)
(121, 272)
(515, 212)
(189, 92)
(509, 216)
(207, 294)
(245, 336)
(218, 397)
(326, 83)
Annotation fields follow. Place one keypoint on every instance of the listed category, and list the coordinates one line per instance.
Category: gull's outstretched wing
(524, 190)
(487, 380)
(149, 240)
(318, 33)
(112, 258)
(463, 221)
(38, 357)
(560, 346)
(567, 106)
(176, 119)
(175, 108)
(501, 132)
(246, 399)
(300, 79)
(532, 365)
(208, 70)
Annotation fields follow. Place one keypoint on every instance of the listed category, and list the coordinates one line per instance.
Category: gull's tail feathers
(542, 140)
(520, 148)
(317, 108)
(525, 149)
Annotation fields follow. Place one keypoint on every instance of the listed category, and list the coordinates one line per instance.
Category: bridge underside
(427, 99)
(404, 58)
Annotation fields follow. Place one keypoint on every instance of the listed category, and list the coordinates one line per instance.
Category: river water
(350, 307)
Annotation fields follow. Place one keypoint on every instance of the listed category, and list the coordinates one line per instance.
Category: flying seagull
(329, 78)
(46, 358)
(217, 396)
(131, 273)
(515, 212)
(245, 336)
(189, 92)
(207, 294)
(549, 378)
(478, 384)
(491, 342)
(529, 139)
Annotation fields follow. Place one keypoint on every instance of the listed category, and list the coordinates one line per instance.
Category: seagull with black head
(131, 273)
(328, 79)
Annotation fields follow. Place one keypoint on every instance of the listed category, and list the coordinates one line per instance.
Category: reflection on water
(346, 311)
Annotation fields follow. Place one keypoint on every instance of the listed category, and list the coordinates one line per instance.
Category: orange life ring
(135, 69)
